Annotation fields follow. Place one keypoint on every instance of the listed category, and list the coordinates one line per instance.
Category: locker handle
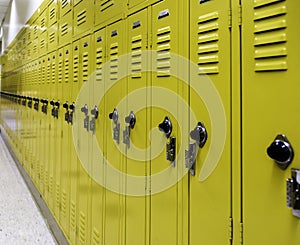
(114, 33)
(166, 126)
(72, 106)
(114, 115)
(57, 104)
(95, 112)
(199, 134)
(131, 120)
(99, 39)
(52, 102)
(66, 105)
(281, 151)
(85, 109)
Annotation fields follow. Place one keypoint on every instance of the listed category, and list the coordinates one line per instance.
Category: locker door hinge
(230, 233)
(240, 15)
(241, 233)
(230, 18)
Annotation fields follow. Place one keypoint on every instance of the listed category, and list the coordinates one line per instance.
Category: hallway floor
(20, 219)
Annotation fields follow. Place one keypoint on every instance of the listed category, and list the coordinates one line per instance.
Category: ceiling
(3, 9)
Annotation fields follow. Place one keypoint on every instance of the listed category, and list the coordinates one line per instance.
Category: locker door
(43, 128)
(84, 144)
(64, 7)
(114, 114)
(136, 132)
(66, 139)
(65, 29)
(165, 219)
(75, 129)
(83, 17)
(210, 82)
(97, 169)
(107, 9)
(53, 141)
(270, 41)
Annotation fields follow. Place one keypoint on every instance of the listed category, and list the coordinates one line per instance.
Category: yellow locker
(210, 123)
(83, 17)
(97, 168)
(75, 162)
(107, 9)
(114, 116)
(58, 133)
(66, 137)
(44, 100)
(135, 130)
(65, 29)
(269, 93)
(64, 7)
(84, 143)
(165, 133)
(53, 101)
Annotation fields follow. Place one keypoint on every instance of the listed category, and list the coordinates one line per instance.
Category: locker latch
(116, 130)
(293, 192)
(199, 134)
(190, 157)
(36, 104)
(171, 150)
(130, 120)
(95, 114)
(55, 107)
(86, 121)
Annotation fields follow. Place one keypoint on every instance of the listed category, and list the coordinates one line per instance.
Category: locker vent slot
(64, 203)
(105, 4)
(52, 37)
(47, 180)
(64, 29)
(57, 196)
(34, 48)
(81, 17)
(96, 236)
(42, 44)
(85, 67)
(35, 30)
(67, 67)
(208, 47)
(48, 73)
(64, 3)
(28, 35)
(50, 185)
(60, 71)
(43, 24)
(270, 37)
(99, 63)
(76, 68)
(136, 57)
(52, 14)
(53, 72)
(163, 59)
(114, 61)
(42, 174)
(82, 221)
(73, 216)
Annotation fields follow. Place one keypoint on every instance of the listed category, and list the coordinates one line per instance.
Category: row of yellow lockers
(159, 127)
(56, 22)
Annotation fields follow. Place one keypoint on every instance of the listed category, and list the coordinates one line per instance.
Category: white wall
(18, 14)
